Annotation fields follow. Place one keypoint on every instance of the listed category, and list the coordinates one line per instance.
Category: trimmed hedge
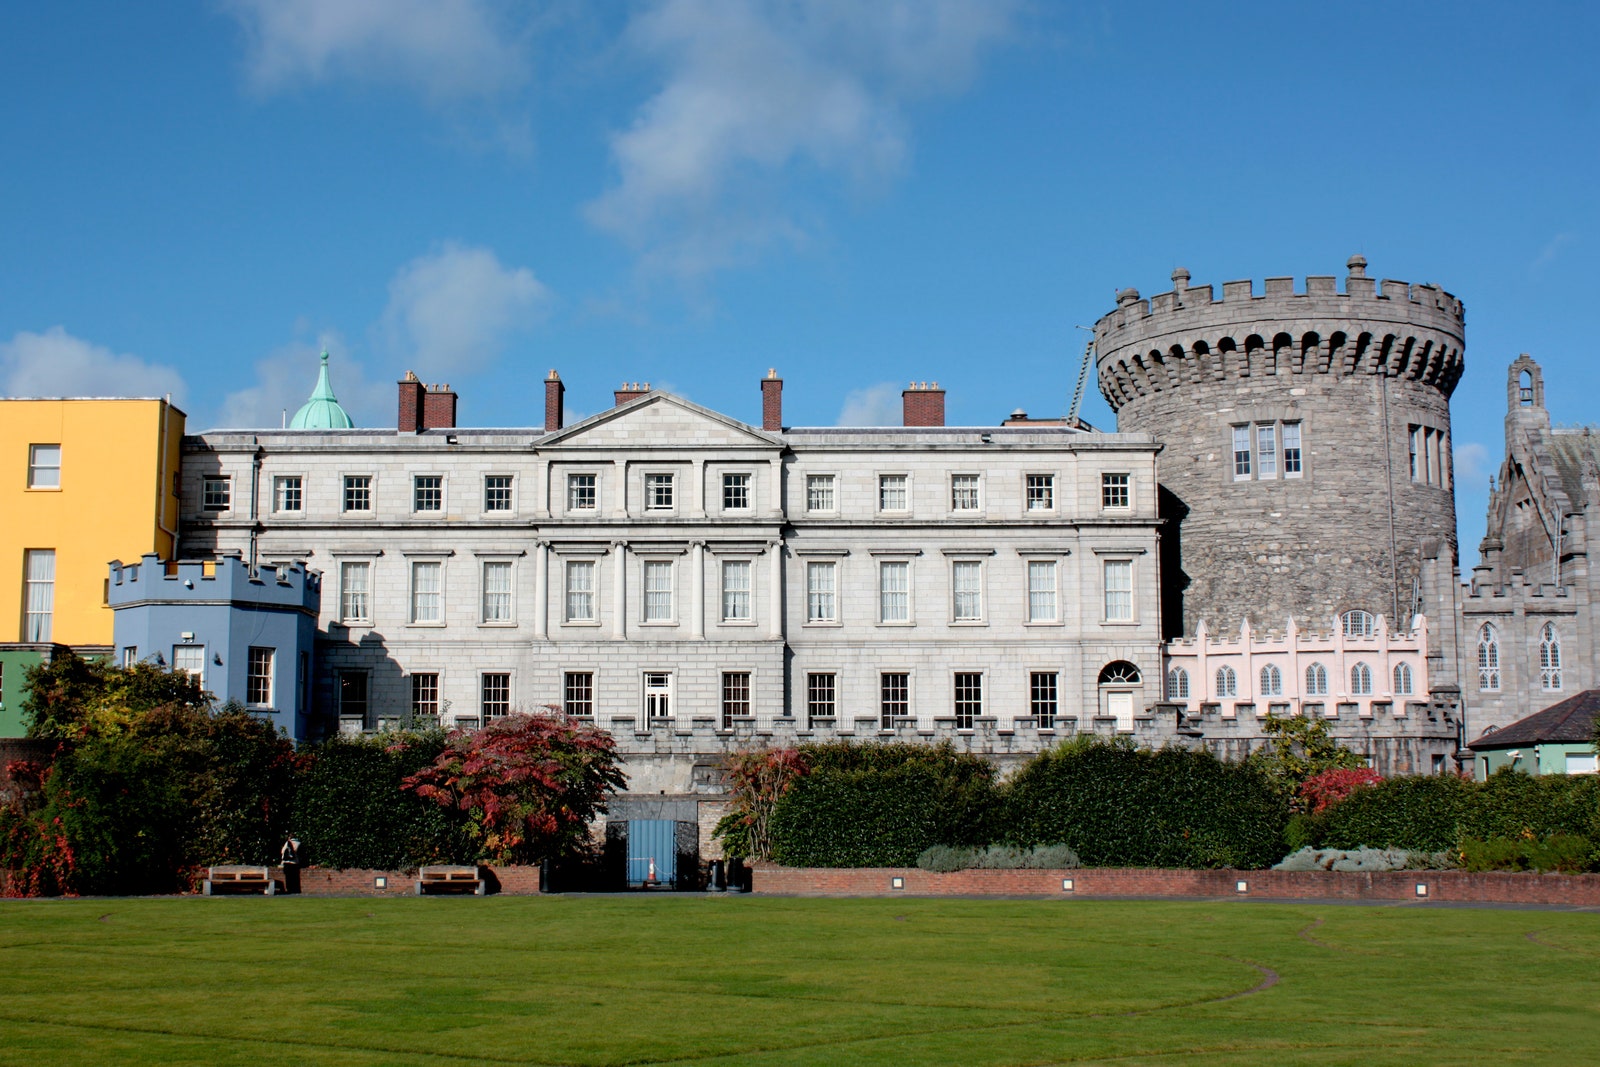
(882, 805)
(1119, 806)
(1430, 813)
(351, 812)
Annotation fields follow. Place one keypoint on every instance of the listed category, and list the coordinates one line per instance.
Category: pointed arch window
(1177, 684)
(1271, 681)
(1488, 658)
(1361, 680)
(1227, 682)
(1549, 657)
(1316, 680)
(1402, 679)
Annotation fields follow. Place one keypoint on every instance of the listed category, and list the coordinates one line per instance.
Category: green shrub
(1566, 853)
(882, 805)
(1364, 859)
(1423, 813)
(351, 812)
(1116, 805)
(944, 858)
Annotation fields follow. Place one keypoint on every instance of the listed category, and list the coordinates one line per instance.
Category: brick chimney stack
(632, 391)
(425, 407)
(555, 392)
(923, 404)
(772, 401)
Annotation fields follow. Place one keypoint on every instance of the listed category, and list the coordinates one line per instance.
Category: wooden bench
(239, 878)
(450, 879)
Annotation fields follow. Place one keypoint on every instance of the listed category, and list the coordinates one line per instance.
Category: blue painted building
(248, 636)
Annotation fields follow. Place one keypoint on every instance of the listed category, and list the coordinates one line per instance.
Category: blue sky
(195, 197)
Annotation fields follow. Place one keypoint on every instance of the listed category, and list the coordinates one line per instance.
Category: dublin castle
(1270, 532)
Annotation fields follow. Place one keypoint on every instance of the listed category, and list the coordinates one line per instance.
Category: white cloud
(454, 310)
(1469, 461)
(1552, 249)
(447, 50)
(55, 363)
(876, 405)
(757, 91)
(285, 378)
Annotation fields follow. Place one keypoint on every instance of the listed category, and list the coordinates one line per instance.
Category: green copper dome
(322, 411)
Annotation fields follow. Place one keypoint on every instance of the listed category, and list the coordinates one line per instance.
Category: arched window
(1361, 680)
(1316, 680)
(1227, 682)
(1177, 684)
(1271, 681)
(1358, 624)
(1119, 672)
(1402, 679)
(1488, 658)
(1549, 657)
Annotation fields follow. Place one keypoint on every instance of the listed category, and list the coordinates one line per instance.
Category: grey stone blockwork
(1358, 371)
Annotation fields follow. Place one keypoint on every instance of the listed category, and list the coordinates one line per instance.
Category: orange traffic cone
(652, 875)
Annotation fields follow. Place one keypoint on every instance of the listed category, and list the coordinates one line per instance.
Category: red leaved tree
(1322, 791)
(756, 780)
(529, 785)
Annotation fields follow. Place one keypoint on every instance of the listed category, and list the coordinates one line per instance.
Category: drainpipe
(255, 505)
(1388, 477)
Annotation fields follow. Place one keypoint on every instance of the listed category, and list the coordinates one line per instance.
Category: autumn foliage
(1322, 791)
(528, 785)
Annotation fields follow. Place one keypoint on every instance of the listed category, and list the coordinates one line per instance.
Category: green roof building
(322, 411)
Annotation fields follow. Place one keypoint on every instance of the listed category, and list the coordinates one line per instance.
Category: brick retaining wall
(1495, 887)
(328, 882)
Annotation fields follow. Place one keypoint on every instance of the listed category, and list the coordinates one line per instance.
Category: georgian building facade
(674, 573)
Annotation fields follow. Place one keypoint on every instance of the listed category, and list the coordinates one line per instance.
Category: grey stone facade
(1360, 376)
(1528, 620)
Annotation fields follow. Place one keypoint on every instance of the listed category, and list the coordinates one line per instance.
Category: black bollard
(547, 876)
(719, 877)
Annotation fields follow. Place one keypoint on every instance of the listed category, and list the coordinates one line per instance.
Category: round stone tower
(1306, 438)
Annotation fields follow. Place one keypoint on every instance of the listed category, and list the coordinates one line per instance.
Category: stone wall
(1355, 372)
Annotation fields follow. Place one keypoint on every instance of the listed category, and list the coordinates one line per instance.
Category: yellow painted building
(82, 482)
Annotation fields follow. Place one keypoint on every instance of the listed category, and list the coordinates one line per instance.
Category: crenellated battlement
(1190, 335)
(226, 579)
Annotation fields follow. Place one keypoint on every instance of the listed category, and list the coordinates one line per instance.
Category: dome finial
(322, 411)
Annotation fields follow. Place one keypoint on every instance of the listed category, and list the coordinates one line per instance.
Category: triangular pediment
(660, 420)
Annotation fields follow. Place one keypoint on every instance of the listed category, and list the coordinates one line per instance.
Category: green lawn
(733, 980)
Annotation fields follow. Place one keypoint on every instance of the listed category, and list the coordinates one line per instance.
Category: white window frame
(886, 488)
(348, 613)
(731, 702)
(1035, 701)
(966, 493)
(1488, 658)
(1549, 658)
(1227, 682)
(575, 597)
(509, 593)
(282, 487)
(1266, 451)
(1404, 679)
(216, 494)
(196, 655)
(483, 695)
(822, 604)
(1270, 681)
(818, 486)
(1177, 683)
(1116, 490)
(974, 707)
(1316, 680)
(257, 681)
(888, 607)
(660, 684)
(975, 613)
(510, 490)
(577, 693)
(347, 487)
(658, 606)
(1039, 491)
(1039, 597)
(1358, 623)
(1294, 463)
(1121, 614)
(738, 604)
(731, 482)
(885, 715)
(819, 706)
(43, 474)
(39, 594)
(418, 680)
(417, 489)
(1360, 679)
(576, 490)
(660, 486)
(415, 614)
(1240, 450)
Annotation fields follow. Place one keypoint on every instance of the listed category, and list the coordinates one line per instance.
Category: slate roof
(1572, 720)
(1573, 450)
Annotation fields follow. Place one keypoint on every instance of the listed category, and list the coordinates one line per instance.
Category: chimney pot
(772, 401)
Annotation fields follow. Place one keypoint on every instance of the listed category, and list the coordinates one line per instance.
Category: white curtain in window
(41, 582)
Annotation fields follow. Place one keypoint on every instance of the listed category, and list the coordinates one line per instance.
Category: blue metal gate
(652, 840)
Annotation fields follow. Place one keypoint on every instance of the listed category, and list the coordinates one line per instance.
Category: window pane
(424, 694)
(1291, 450)
(964, 492)
(658, 492)
(819, 492)
(735, 696)
(44, 466)
(497, 492)
(1241, 452)
(1267, 449)
(580, 591)
(820, 592)
(258, 678)
(580, 492)
(894, 592)
(895, 699)
(966, 579)
(428, 492)
(657, 591)
(358, 492)
(821, 697)
(190, 660)
(353, 592)
(496, 695)
(892, 492)
(497, 592)
(736, 589)
(427, 592)
(735, 492)
(1114, 490)
(215, 493)
(1043, 703)
(1041, 591)
(286, 493)
(1119, 590)
(1041, 491)
(577, 696)
(969, 698)
(39, 602)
